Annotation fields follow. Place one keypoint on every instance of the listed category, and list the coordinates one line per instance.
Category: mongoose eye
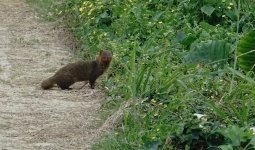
(105, 56)
(104, 59)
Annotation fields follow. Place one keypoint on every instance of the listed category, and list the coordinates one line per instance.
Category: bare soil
(31, 118)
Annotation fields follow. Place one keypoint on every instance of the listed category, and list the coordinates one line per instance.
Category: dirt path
(30, 118)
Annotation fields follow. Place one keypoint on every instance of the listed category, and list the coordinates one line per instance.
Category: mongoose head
(105, 56)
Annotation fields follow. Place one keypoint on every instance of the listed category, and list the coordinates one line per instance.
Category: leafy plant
(207, 9)
(150, 40)
(246, 52)
(47, 8)
(211, 52)
(237, 138)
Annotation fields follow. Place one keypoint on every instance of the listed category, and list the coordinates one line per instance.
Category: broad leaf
(208, 10)
(235, 134)
(246, 51)
(215, 51)
(152, 145)
(252, 142)
(226, 147)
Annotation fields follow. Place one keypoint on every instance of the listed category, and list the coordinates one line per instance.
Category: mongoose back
(80, 71)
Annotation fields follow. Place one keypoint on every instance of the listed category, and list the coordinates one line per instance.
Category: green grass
(151, 41)
(46, 8)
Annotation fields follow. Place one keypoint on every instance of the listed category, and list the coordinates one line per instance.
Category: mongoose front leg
(92, 83)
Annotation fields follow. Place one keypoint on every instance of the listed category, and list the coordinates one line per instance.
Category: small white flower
(199, 116)
(253, 129)
(201, 126)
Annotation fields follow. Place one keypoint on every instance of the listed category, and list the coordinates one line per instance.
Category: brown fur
(80, 71)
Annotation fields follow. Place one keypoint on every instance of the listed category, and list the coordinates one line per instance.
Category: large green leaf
(246, 51)
(207, 9)
(252, 142)
(151, 145)
(214, 51)
(236, 135)
(226, 147)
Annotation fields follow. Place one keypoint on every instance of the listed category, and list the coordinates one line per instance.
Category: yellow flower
(153, 100)
(90, 5)
(60, 12)
(223, 1)
(81, 9)
(231, 4)
(90, 12)
(229, 7)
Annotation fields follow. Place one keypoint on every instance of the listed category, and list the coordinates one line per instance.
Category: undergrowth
(176, 60)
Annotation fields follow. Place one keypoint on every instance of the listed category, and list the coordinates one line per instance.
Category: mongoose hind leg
(65, 81)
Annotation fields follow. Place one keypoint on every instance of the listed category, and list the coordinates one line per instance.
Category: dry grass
(31, 50)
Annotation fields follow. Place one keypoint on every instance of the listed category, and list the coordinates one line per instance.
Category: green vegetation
(246, 49)
(47, 8)
(177, 60)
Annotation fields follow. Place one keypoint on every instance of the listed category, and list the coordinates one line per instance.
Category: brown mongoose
(80, 71)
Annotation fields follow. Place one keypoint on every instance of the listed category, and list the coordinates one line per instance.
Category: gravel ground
(31, 50)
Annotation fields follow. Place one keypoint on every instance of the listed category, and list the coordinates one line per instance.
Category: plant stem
(237, 10)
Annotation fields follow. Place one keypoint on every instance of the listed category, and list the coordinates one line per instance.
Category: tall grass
(149, 40)
(237, 7)
(45, 7)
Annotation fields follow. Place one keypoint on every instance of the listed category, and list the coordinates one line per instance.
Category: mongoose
(80, 71)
